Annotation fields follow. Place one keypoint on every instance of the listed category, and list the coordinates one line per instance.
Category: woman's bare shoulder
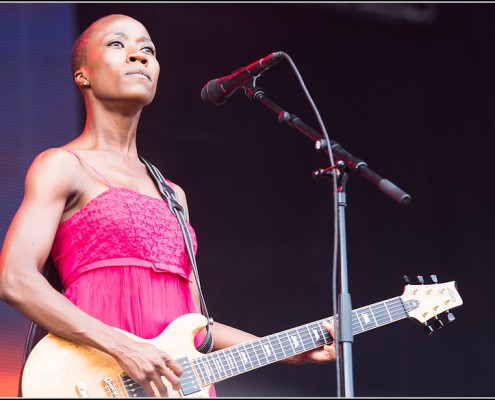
(54, 157)
(178, 189)
(53, 167)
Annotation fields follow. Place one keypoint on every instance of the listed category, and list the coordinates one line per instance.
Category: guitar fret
(245, 356)
(231, 361)
(218, 365)
(317, 333)
(254, 360)
(326, 335)
(388, 312)
(290, 348)
(381, 313)
(268, 350)
(236, 359)
(302, 338)
(241, 361)
(306, 339)
(260, 353)
(310, 335)
(297, 342)
(366, 318)
(277, 346)
(208, 374)
(320, 337)
(210, 367)
(398, 308)
(225, 365)
(198, 362)
(356, 316)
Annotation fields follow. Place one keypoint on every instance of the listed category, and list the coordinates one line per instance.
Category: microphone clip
(336, 171)
(252, 92)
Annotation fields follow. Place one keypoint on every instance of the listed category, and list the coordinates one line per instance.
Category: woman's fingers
(329, 327)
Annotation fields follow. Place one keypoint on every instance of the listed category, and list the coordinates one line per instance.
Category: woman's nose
(138, 57)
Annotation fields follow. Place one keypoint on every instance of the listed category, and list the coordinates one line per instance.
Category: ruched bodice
(121, 226)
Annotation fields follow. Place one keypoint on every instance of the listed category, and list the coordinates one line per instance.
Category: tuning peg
(428, 329)
(406, 279)
(438, 323)
(420, 279)
(434, 278)
(450, 316)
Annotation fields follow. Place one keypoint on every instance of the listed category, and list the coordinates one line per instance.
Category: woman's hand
(145, 363)
(323, 354)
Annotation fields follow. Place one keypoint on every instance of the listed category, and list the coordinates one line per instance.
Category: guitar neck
(244, 357)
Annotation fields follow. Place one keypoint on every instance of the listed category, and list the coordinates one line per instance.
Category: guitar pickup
(189, 381)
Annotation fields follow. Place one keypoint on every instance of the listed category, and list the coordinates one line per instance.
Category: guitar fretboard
(235, 360)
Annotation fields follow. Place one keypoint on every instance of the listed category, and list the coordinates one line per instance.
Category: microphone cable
(335, 210)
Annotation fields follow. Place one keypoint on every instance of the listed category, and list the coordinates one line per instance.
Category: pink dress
(122, 259)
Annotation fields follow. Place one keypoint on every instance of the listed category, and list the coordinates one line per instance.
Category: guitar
(57, 367)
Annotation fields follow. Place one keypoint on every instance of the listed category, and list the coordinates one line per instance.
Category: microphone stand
(346, 162)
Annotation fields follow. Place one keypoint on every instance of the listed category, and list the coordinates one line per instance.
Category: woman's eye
(149, 50)
(116, 43)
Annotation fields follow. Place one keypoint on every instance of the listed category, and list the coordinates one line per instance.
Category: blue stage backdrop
(38, 109)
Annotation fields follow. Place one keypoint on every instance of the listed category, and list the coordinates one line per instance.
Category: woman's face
(121, 61)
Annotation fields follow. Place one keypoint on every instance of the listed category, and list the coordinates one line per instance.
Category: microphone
(217, 91)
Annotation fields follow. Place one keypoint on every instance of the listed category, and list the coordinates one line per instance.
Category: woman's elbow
(9, 285)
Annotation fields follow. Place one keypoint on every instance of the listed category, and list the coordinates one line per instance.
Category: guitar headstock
(426, 301)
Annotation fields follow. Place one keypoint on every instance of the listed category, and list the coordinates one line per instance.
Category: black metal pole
(344, 317)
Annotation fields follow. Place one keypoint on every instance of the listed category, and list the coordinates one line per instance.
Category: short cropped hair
(79, 52)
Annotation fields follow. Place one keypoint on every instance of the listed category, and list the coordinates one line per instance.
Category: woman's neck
(111, 131)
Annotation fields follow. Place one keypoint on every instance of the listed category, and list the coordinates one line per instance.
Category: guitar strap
(170, 196)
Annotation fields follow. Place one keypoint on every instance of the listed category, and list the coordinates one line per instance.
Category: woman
(92, 204)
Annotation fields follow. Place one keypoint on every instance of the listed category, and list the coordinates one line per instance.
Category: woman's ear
(80, 79)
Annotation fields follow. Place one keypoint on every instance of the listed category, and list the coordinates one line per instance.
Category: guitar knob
(438, 323)
(406, 279)
(450, 316)
(434, 278)
(420, 279)
(428, 329)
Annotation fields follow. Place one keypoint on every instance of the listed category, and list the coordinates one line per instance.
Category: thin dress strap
(90, 166)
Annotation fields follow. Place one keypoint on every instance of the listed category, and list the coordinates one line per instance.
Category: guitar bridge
(111, 387)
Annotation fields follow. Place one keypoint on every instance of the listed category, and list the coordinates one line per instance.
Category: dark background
(409, 88)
